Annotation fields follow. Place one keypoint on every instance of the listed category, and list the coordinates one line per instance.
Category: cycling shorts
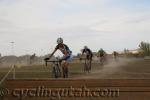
(68, 58)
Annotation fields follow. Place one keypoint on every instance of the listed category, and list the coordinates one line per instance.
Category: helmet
(59, 40)
(101, 48)
(85, 47)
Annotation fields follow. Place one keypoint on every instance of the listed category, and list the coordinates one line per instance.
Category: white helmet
(85, 47)
(59, 40)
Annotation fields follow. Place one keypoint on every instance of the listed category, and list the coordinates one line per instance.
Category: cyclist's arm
(83, 51)
(81, 56)
(52, 53)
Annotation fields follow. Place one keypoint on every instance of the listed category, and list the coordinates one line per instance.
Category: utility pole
(12, 47)
(12, 52)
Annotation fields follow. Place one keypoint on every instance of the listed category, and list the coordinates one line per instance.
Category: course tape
(6, 75)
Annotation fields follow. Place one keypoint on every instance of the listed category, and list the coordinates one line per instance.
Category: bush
(145, 47)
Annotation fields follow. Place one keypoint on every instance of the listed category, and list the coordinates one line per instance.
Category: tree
(145, 46)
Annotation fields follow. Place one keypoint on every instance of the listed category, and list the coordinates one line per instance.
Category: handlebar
(83, 58)
(53, 61)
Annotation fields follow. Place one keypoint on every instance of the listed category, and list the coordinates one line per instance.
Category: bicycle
(56, 71)
(102, 61)
(87, 65)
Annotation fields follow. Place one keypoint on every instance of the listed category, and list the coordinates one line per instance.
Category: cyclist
(67, 56)
(101, 55)
(89, 55)
(115, 54)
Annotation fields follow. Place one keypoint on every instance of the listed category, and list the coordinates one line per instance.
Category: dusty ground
(124, 68)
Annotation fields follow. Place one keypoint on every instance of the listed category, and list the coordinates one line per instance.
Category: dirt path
(109, 69)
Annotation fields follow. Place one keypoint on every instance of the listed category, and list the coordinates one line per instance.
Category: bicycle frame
(102, 60)
(56, 71)
(87, 66)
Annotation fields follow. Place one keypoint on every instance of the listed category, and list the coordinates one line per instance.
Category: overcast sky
(34, 25)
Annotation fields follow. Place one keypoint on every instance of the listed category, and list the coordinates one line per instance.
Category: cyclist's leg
(115, 58)
(64, 65)
(91, 63)
(66, 68)
(86, 66)
(63, 68)
(101, 60)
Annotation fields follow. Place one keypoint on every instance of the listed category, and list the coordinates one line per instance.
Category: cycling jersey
(66, 51)
(88, 52)
(101, 53)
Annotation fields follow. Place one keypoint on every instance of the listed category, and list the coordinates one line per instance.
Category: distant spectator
(32, 58)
